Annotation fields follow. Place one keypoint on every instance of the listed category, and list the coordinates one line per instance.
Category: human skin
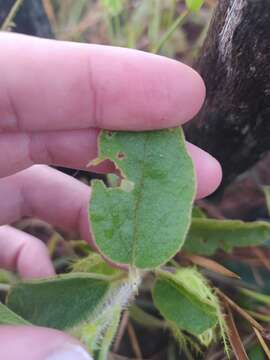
(54, 98)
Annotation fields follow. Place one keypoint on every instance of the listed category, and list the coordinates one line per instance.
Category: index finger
(53, 85)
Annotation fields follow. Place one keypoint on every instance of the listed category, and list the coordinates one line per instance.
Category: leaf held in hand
(144, 221)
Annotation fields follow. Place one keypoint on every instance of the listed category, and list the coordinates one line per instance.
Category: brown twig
(263, 343)
(9, 19)
(121, 331)
(259, 253)
(234, 337)
(238, 309)
(211, 265)
(48, 7)
(134, 341)
(210, 209)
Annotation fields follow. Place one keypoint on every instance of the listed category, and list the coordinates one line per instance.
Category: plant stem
(153, 31)
(181, 18)
(109, 335)
(265, 299)
(259, 316)
(145, 319)
(13, 11)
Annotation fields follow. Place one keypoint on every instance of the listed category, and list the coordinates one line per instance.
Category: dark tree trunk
(234, 124)
(30, 19)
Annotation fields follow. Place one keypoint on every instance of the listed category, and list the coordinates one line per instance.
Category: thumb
(36, 343)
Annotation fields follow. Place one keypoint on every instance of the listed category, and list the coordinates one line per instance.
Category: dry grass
(136, 24)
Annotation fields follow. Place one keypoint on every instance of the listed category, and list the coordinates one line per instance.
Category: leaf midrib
(137, 204)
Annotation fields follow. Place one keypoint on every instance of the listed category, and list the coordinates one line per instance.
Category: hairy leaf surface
(60, 302)
(144, 220)
(183, 308)
(93, 263)
(207, 235)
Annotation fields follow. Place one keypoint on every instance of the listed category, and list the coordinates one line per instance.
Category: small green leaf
(93, 263)
(256, 353)
(194, 5)
(183, 308)
(206, 236)
(143, 222)
(61, 302)
(8, 317)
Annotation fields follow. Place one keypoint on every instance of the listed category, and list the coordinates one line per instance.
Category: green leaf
(194, 5)
(93, 263)
(183, 308)
(98, 332)
(144, 221)
(256, 353)
(8, 317)
(206, 236)
(61, 302)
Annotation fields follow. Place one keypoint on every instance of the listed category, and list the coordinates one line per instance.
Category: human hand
(54, 96)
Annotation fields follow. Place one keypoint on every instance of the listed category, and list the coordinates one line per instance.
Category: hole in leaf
(114, 174)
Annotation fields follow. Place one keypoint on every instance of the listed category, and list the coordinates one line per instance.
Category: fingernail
(69, 352)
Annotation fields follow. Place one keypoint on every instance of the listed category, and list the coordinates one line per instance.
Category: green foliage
(263, 298)
(256, 353)
(194, 5)
(8, 317)
(113, 6)
(188, 303)
(208, 235)
(93, 263)
(143, 217)
(60, 302)
(98, 332)
(186, 309)
(144, 221)
(88, 305)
